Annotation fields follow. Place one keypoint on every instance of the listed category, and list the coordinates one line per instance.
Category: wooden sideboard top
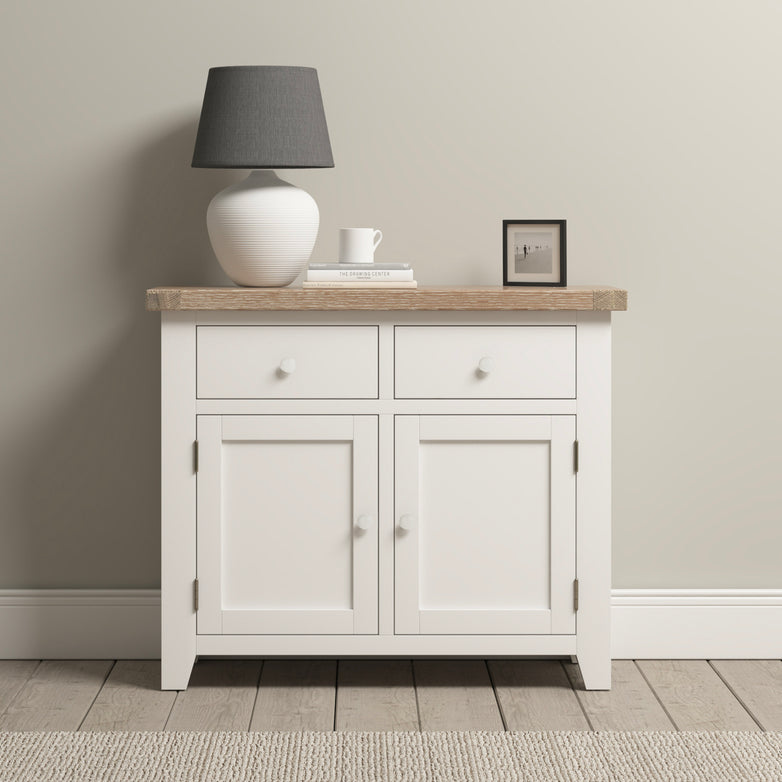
(573, 297)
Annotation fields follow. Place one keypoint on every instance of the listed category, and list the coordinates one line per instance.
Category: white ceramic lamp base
(263, 230)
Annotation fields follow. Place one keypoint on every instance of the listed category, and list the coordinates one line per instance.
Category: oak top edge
(573, 297)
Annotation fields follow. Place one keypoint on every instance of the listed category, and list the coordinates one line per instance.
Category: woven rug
(382, 757)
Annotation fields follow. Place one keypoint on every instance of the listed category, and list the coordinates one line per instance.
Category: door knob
(406, 522)
(288, 366)
(486, 365)
(364, 522)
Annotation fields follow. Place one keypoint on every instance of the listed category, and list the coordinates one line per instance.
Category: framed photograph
(534, 252)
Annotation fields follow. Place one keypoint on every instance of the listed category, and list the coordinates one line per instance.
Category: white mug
(358, 245)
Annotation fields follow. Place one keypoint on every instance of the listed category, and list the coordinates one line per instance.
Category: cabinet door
(485, 524)
(287, 524)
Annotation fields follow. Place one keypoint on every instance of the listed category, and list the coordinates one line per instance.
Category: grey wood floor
(329, 695)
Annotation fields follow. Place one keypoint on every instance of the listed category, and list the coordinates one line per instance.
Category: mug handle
(378, 240)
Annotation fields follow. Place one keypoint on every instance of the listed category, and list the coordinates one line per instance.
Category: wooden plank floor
(382, 695)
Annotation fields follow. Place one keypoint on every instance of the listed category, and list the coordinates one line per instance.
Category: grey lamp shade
(262, 116)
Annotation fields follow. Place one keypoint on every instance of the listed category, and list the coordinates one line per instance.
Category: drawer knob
(365, 522)
(288, 366)
(406, 522)
(485, 365)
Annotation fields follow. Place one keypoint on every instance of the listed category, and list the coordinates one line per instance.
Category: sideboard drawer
(485, 362)
(290, 362)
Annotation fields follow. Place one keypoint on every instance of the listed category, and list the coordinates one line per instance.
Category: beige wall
(653, 127)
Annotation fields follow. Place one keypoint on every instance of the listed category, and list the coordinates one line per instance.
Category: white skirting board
(80, 623)
(646, 623)
(696, 623)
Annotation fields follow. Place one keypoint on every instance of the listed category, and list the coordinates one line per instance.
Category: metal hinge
(575, 595)
(575, 456)
(195, 456)
(195, 595)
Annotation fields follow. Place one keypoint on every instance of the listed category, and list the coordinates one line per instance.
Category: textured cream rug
(382, 757)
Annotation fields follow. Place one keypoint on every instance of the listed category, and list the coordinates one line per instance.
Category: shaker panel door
(485, 524)
(287, 524)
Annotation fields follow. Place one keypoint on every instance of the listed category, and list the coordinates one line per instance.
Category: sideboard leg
(178, 500)
(593, 506)
(175, 672)
(595, 670)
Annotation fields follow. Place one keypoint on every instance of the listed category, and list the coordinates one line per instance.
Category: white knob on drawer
(365, 522)
(406, 522)
(288, 366)
(486, 365)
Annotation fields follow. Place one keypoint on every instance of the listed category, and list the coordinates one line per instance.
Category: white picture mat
(511, 232)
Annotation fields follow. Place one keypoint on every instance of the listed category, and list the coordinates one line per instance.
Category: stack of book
(359, 275)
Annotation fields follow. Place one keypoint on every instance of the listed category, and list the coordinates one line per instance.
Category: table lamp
(262, 117)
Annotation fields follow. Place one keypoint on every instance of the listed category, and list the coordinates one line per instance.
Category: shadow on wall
(88, 485)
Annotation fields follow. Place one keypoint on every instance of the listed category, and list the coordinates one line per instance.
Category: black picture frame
(557, 257)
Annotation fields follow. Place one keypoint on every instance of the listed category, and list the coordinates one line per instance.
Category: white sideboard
(359, 473)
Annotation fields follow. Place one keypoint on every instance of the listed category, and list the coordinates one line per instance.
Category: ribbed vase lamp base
(263, 230)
